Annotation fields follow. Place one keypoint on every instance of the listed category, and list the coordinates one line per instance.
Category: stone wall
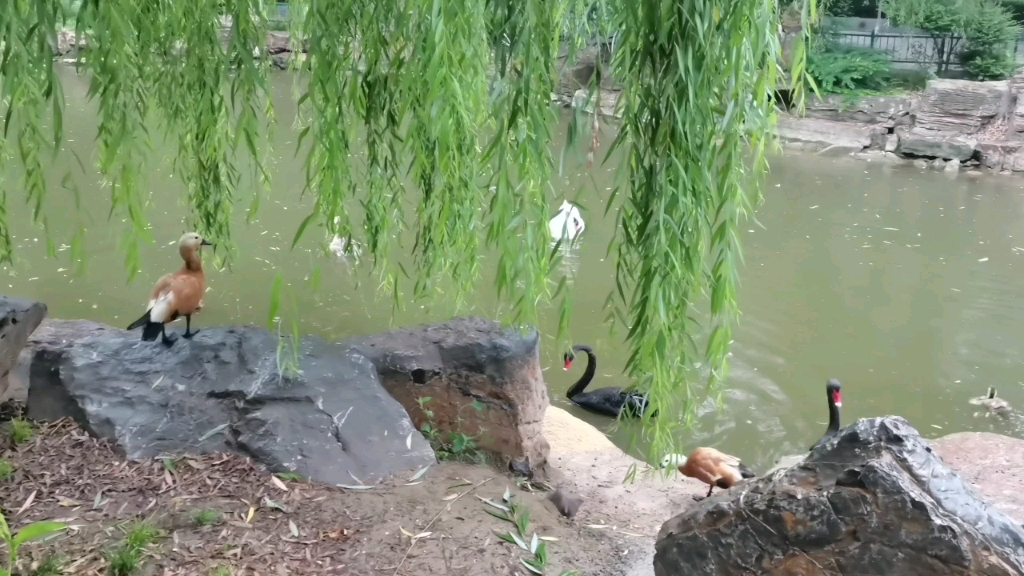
(952, 123)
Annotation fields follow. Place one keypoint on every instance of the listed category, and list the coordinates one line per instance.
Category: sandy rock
(19, 318)
(873, 500)
(483, 381)
(992, 464)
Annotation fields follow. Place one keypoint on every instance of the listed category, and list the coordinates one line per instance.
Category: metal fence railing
(938, 51)
(922, 49)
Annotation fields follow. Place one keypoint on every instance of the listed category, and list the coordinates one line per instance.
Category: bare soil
(270, 526)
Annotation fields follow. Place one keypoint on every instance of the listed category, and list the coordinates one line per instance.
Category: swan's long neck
(588, 374)
(833, 415)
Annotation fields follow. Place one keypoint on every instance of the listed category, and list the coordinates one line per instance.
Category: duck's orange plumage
(176, 294)
(714, 468)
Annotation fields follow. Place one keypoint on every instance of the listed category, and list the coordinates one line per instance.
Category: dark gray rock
(935, 144)
(483, 380)
(874, 500)
(18, 319)
(222, 391)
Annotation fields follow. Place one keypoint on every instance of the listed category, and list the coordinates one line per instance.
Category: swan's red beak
(568, 362)
(837, 398)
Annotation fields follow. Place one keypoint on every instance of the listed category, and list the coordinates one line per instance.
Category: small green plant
(6, 469)
(991, 37)
(844, 69)
(206, 517)
(125, 559)
(220, 570)
(30, 532)
(519, 516)
(289, 476)
(51, 566)
(21, 430)
(458, 445)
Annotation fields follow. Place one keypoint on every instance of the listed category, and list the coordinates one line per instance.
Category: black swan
(835, 401)
(608, 401)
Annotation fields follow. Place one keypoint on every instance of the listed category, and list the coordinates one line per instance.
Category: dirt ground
(269, 526)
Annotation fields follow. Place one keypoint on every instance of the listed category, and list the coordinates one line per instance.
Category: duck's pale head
(192, 241)
(565, 207)
(674, 460)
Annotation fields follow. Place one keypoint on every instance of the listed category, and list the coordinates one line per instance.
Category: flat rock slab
(873, 500)
(826, 132)
(884, 110)
(222, 391)
(991, 463)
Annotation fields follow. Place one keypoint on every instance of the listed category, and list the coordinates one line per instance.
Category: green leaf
(36, 530)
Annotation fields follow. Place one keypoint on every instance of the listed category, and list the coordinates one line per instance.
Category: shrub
(844, 69)
(990, 36)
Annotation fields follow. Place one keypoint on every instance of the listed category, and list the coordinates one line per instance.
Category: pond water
(906, 285)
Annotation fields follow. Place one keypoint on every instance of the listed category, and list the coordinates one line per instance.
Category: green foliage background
(457, 94)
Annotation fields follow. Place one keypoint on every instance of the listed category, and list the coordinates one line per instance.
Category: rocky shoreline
(952, 124)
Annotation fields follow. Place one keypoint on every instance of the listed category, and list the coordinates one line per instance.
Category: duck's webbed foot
(168, 340)
(189, 333)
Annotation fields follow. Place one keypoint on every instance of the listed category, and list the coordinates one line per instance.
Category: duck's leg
(188, 327)
(167, 340)
(710, 488)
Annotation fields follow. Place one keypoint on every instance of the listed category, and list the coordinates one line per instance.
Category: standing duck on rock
(176, 294)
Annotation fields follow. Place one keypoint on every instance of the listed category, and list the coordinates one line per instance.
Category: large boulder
(935, 144)
(874, 500)
(962, 106)
(887, 111)
(223, 391)
(18, 319)
(482, 381)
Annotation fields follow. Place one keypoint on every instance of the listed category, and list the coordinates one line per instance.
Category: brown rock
(482, 381)
(19, 318)
(991, 463)
(875, 499)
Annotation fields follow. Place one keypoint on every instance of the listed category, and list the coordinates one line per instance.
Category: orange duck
(176, 294)
(711, 467)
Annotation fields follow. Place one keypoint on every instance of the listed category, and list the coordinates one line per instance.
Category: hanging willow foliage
(457, 96)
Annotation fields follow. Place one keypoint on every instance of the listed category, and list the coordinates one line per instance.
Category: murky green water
(906, 285)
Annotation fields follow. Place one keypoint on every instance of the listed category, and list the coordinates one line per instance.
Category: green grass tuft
(220, 570)
(52, 566)
(126, 559)
(6, 469)
(206, 517)
(21, 430)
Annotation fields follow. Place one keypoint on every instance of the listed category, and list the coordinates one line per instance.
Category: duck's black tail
(746, 472)
(151, 329)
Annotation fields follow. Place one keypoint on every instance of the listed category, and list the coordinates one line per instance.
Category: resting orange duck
(176, 294)
(711, 467)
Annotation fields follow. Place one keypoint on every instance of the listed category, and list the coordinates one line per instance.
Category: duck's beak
(205, 242)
